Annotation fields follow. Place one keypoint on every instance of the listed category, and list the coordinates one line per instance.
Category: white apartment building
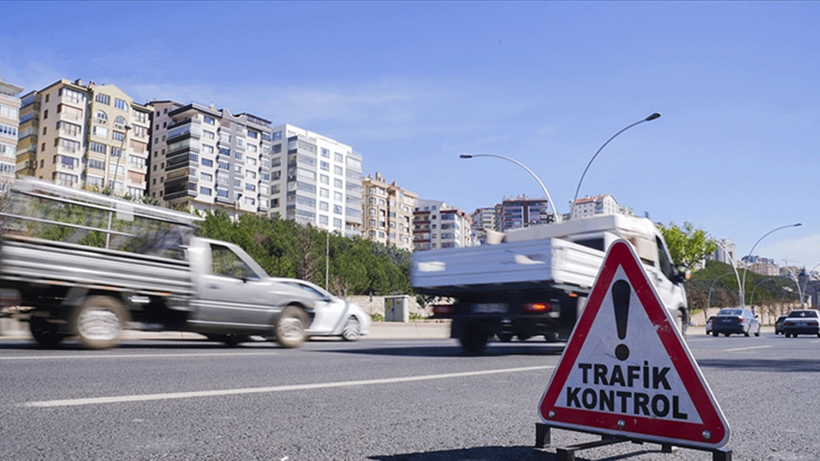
(726, 252)
(84, 136)
(599, 205)
(485, 219)
(388, 212)
(316, 180)
(9, 126)
(437, 225)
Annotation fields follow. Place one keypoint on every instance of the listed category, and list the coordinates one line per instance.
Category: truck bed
(448, 272)
(28, 261)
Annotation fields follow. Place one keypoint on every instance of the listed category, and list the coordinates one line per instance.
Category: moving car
(802, 322)
(735, 320)
(778, 325)
(333, 316)
(709, 324)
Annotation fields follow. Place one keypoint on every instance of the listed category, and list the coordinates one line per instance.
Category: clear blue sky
(411, 85)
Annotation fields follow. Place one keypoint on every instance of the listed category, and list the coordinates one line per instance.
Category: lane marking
(260, 390)
(736, 349)
(128, 356)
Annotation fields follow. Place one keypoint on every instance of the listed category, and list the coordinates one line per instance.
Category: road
(418, 399)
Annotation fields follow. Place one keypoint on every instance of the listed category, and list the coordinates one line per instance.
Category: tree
(687, 245)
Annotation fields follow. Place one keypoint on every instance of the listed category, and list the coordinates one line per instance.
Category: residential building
(485, 219)
(84, 136)
(599, 205)
(762, 266)
(387, 212)
(207, 159)
(9, 127)
(523, 212)
(316, 180)
(437, 225)
(726, 252)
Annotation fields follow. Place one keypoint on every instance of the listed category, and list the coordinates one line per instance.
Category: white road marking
(128, 356)
(736, 349)
(258, 390)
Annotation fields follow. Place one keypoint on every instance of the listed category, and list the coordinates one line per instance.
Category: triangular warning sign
(626, 371)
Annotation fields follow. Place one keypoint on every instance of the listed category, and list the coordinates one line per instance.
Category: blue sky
(411, 85)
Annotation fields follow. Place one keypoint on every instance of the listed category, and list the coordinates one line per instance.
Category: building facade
(317, 180)
(599, 205)
(437, 225)
(9, 128)
(387, 212)
(523, 212)
(84, 136)
(484, 220)
(207, 159)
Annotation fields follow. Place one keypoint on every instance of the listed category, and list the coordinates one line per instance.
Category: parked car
(735, 320)
(778, 325)
(333, 316)
(709, 324)
(802, 322)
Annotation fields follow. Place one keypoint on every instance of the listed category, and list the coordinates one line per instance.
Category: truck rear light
(537, 307)
(445, 309)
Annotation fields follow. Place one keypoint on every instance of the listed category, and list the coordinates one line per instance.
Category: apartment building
(388, 212)
(437, 225)
(598, 205)
(84, 136)
(523, 212)
(207, 159)
(9, 126)
(316, 180)
(484, 220)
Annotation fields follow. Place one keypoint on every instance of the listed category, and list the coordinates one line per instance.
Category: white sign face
(626, 371)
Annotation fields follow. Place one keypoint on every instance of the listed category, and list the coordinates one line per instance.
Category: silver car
(333, 316)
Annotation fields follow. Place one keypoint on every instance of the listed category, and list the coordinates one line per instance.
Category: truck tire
(290, 327)
(474, 338)
(44, 332)
(99, 321)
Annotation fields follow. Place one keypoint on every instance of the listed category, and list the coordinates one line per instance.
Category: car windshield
(730, 312)
(803, 314)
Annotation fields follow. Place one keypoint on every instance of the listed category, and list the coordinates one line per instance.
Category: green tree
(687, 245)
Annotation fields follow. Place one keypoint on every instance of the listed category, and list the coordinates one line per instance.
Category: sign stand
(626, 373)
(543, 440)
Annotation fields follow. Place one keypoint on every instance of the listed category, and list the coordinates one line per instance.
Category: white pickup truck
(90, 265)
(536, 280)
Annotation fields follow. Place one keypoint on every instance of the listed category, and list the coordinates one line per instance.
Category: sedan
(802, 322)
(709, 324)
(333, 316)
(735, 320)
(778, 325)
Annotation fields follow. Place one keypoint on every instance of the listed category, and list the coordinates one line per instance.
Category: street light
(746, 263)
(752, 297)
(734, 267)
(540, 183)
(709, 296)
(577, 189)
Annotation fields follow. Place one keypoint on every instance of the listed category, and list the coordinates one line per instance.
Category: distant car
(735, 320)
(709, 324)
(802, 322)
(333, 316)
(778, 325)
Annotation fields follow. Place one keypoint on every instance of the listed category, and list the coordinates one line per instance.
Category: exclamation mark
(621, 291)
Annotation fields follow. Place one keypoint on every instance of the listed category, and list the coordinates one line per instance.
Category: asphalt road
(414, 399)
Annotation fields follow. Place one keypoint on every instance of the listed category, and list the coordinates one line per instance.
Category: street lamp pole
(734, 267)
(540, 183)
(746, 263)
(577, 189)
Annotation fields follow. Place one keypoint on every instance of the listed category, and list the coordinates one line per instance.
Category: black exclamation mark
(621, 291)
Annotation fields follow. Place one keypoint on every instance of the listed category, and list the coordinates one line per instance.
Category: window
(68, 128)
(120, 104)
(119, 122)
(338, 170)
(103, 99)
(96, 147)
(205, 190)
(70, 95)
(96, 164)
(325, 166)
(100, 132)
(206, 176)
(207, 162)
(117, 135)
(250, 161)
(208, 134)
(325, 153)
(250, 174)
(101, 117)
(339, 157)
(209, 120)
(250, 187)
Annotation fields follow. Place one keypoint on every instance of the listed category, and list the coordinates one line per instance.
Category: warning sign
(626, 371)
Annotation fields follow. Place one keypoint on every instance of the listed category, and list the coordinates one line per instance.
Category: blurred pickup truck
(87, 265)
(535, 280)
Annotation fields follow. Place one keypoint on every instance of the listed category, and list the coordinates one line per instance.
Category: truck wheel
(474, 338)
(505, 337)
(44, 332)
(290, 327)
(99, 322)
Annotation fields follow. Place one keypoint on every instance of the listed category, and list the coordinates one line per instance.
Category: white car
(333, 316)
